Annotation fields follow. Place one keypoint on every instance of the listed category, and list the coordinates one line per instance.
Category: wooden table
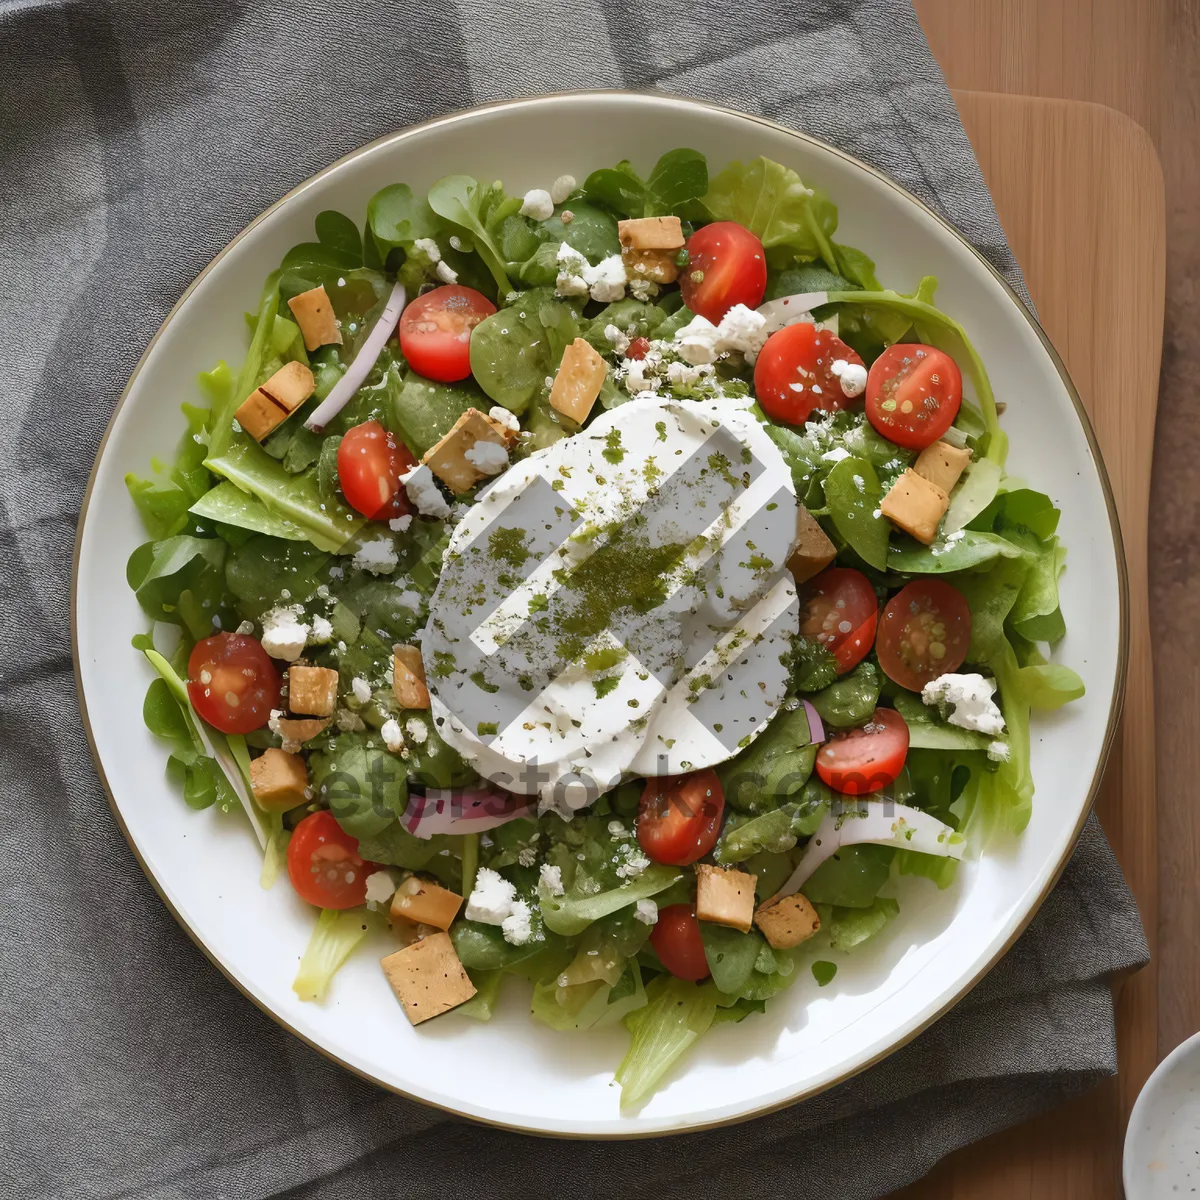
(1080, 194)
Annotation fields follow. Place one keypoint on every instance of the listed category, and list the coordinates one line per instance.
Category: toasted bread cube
(658, 266)
(448, 459)
(278, 780)
(725, 896)
(302, 730)
(315, 316)
(428, 978)
(272, 402)
(651, 233)
(423, 902)
(408, 677)
(312, 690)
(942, 464)
(814, 551)
(788, 922)
(916, 505)
(579, 380)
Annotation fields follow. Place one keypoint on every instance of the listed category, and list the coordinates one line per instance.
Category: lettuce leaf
(334, 938)
(572, 914)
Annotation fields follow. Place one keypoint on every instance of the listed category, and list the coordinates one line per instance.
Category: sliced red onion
(787, 310)
(453, 810)
(879, 822)
(357, 372)
(816, 728)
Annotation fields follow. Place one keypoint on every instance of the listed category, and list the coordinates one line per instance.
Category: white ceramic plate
(514, 1071)
(1162, 1143)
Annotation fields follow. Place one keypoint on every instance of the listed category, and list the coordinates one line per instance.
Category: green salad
(605, 593)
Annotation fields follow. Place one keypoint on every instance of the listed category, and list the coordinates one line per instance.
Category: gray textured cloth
(135, 140)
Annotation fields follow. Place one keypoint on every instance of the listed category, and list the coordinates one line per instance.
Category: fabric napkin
(135, 140)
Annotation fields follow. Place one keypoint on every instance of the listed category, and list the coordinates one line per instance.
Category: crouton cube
(658, 266)
(942, 464)
(428, 978)
(408, 677)
(302, 730)
(651, 233)
(788, 922)
(272, 402)
(448, 459)
(424, 902)
(314, 314)
(312, 691)
(814, 551)
(278, 780)
(915, 505)
(725, 896)
(578, 382)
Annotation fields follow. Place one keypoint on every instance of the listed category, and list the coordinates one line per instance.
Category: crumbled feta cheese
(646, 911)
(446, 273)
(393, 739)
(415, 728)
(683, 375)
(696, 342)
(517, 927)
(321, 632)
(835, 455)
(400, 524)
(527, 856)
(971, 699)
(537, 204)
(349, 722)
(742, 329)
(284, 634)
(852, 376)
(378, 556)
(492, 898)
(606, 280)
(410, 599)
(245, 627)
(635, 862)
(429, 248)
(643, 289)
(616, 339)
(423, 491)
(551, 878)
(616, 829)
(381, 887)
(503, 417)
(488, 457)
(361, 689)
(999, 751)
(561, 188)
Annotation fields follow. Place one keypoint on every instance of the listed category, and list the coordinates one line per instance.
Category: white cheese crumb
(527, 856)
(999, 751)
(552, 879)
(400, 524)
(503, 417)
(429, 248)
(606, 280)
(381, 887)
(852, 376)
(415, 728)
(361, 689)
(423, 491)
(643, 289)
(491, 899)
(561, 188)
(284, 634)
(393, 739)
(410, 599)
(488, 457)
(835, 455)
(322, 631)
(635, 862)
(446, 273)
(616, 829)
(537, 204)
(696, 342)
(742, 329)
(517, 926)
(971, 698)
(378, 557)
(616, 339)
(349, 722)
(646, 911)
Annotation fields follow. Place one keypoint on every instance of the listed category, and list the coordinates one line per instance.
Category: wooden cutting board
(1079, 191)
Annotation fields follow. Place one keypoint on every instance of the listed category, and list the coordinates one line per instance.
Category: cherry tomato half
(676, 940)
(838, 610)
(924, 632)
(868, 759)
(370, 462)
(435, 331)
(232, 682)
(638, 348)
(324, 864)
(680, 816)
(913, 394)
(795, 373)
(726, 266)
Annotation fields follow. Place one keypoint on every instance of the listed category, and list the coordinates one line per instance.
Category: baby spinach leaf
(850, 700)
(731, 955)
(469, 205)
(365, 786)
(774, 767)
(852, 495)
(396, 218)
(339, 233)
(678, 178)
(849, 928)
(972, 549)
(180, 580)
(424, 411)
(431, 762)
(852, 877)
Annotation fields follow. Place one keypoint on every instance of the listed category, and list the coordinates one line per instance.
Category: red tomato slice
(913, 394)
(838, 610)
(680, 816)
(676, 940)
(232, 682)
(867, 759)
(370, 461)
(726, 266)
(435, 331)
(924, 632)
(324, 864)
(638, 348)
(794, 373)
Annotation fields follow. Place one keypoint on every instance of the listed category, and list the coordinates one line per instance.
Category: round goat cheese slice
(618, 603)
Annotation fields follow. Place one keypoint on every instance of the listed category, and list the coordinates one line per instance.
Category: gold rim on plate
(1114, 714)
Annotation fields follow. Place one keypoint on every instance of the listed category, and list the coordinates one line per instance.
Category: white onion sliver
(787, 309)
(816, 727)
(343, 391)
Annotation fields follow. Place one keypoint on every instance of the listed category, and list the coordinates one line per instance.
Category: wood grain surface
(1080, 194)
